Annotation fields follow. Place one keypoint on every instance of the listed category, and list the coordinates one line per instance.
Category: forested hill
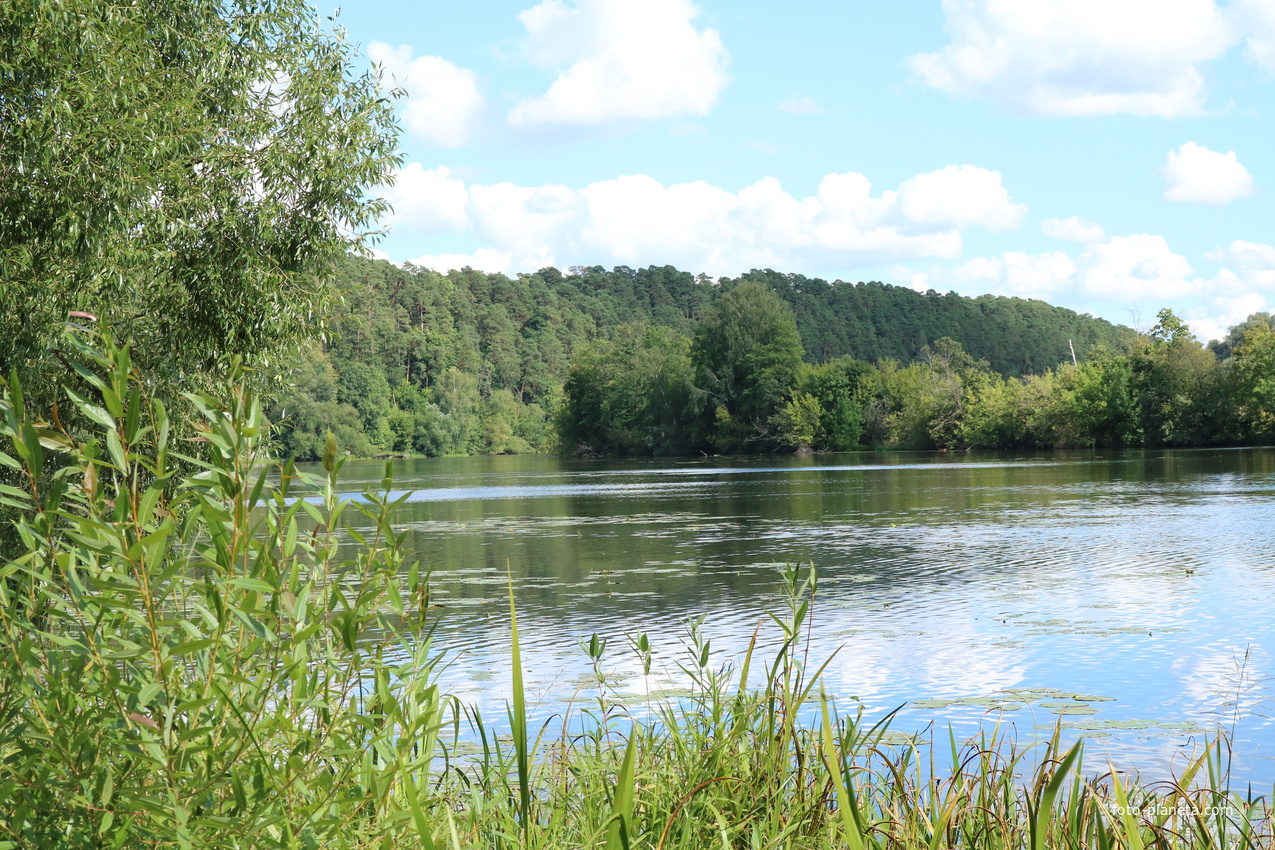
(471, 362)
(470, 315)
(876, 321)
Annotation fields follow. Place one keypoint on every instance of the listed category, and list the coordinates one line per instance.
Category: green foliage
(185, 171)
(524, 335)
(1098, 405)
(930, 397)
(877, 322)
(1166, 390)
(631, 395)
(1177, 385)
(746, 352)
(1254, 382)
(191, 660)
(364, 388)
(1078, 406)
(1235, 337)
(826, 408)
(799, 420)
(311, 409)
(469, 362)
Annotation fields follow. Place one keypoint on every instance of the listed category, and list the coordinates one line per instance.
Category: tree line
(418, 362)
(740, 383)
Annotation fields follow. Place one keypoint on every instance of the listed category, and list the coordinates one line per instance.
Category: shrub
(188, 657)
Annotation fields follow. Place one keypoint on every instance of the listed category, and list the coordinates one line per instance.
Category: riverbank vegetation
(659, 362)
(214, 658)
(740, 383)
(469, 362)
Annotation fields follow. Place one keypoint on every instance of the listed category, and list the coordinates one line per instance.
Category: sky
(1111, 156)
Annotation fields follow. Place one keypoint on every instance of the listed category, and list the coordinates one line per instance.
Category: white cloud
(1021, 274)
(1079, 57)
(1135, 268)
(1122, 269)
(637, 220)
(960, 195)
(483, 260)
(1213, 319)
(443, 101)
(430, 200)
(1257, 18)
(1073, 229)
(625, 61)
(531, 222)
(1194, 174)
(914, 280)
(804, 105)
(636, 216)
(1138, 272)
(1254, 261)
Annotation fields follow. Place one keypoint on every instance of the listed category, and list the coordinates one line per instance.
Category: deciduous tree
(185, 171)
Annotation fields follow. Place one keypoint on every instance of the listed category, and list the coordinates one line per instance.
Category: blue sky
(1112, 156)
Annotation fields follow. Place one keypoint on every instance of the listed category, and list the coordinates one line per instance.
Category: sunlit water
(1119, 592)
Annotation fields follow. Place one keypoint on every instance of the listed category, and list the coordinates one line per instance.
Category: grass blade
(849, 820)
(518, 715)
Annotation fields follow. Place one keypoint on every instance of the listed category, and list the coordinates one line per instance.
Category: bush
(187, 657)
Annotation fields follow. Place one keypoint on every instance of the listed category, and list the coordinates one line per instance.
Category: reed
(735, 767)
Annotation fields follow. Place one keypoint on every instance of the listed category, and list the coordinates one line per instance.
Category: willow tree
(185, 171)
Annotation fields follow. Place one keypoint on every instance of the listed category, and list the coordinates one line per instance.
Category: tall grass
(187, 660)
(731, 766)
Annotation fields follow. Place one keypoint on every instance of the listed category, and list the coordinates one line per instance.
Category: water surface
(1118, 591)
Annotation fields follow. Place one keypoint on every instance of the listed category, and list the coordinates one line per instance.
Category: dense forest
(741, 383)
(658, 361)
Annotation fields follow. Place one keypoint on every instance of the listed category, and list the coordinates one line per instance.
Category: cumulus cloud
(1073, 229)
(1245, 265)
(1121, 269)
(1021, 274)
(1219, 314)
(1257, 18)
(1194, 174)
(1254, 260)
(443, 101)
(1112, 275)
(636, 220)
(960, 195)
(428, 200)
(1080, 57)
(532, 222)
(483, 260)
(624, 61)
(1135, 268)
